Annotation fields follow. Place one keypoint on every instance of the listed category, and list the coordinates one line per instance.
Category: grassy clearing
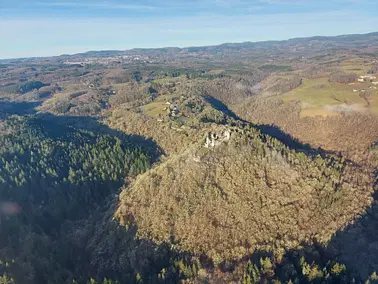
(356, 65)
(170, 80)
(318, 95)
(216, 71)
(57, 97)
(158, 108)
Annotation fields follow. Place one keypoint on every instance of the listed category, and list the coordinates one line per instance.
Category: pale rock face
(215, 139)
(227, 135)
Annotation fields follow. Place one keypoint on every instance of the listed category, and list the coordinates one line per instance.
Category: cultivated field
(321, 97)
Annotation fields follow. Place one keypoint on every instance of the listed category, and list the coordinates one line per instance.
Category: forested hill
(55, 173)
(241, 194)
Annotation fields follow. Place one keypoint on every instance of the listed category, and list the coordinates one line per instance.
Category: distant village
(110, 60)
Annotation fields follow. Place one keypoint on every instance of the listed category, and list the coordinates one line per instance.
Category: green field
(355, 65)
(320, 97)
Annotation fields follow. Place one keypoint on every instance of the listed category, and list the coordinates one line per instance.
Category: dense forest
(55, 173)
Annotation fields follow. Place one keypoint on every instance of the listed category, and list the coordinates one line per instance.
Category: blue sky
(48, 27)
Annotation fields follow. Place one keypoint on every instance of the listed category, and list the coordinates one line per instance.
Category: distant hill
(302, 44)
(316, 42)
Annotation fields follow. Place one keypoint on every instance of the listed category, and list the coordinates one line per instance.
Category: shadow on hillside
(357, 244)
(295, 144)
(108, 245)
(8, 108)
(287, 139)
(218, 105)
(271, 130)
(52, 239)
(103, 249)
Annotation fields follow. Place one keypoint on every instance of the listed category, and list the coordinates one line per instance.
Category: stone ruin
(215, 139)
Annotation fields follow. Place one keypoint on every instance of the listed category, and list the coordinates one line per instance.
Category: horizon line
(184, 47)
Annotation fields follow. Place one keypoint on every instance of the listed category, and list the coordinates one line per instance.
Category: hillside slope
(248, 192)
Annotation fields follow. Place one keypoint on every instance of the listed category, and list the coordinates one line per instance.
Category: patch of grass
(216, 71)
(356, 65)
(170, 80)
(158, 107)
(314, 100)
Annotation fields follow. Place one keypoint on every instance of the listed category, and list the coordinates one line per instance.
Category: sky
(30, 28)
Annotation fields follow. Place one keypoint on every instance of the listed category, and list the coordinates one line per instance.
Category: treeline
(342, 77)
(82, 164)
(279, 84)
(275, 68)
(23, 88)
(317, 71)
(189, 74)
(144, 76)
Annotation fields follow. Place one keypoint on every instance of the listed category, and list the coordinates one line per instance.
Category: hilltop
(244, 192)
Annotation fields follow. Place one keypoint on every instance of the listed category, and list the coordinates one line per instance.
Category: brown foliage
(171, 139)
(342, 77)
(279, 84)
(131, 93)
(350, 133)
(373, 70)
(316, 71)
(245, 195)
(227, 90)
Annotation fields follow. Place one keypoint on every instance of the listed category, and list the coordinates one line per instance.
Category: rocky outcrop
(215, 139)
